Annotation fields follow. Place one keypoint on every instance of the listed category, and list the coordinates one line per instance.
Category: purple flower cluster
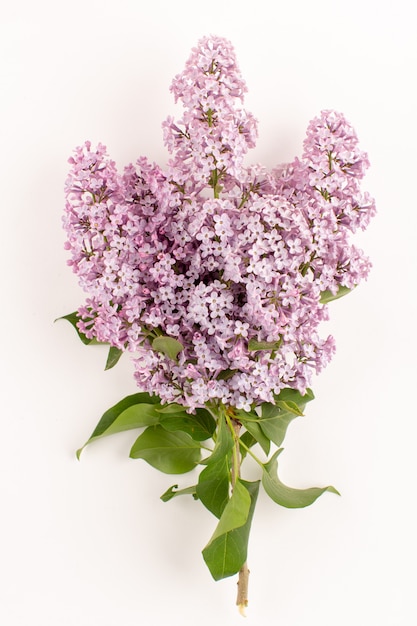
(228, 260)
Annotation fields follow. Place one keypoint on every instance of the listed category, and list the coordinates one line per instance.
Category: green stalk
(249, 451)
(234, 427)
(243, 580)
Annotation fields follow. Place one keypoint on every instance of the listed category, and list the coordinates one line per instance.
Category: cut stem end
(242, 589)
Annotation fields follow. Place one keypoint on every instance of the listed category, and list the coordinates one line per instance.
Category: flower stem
(242, 589)
(235, 428)
(243, 581)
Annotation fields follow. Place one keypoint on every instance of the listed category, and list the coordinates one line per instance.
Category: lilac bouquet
(215, 276)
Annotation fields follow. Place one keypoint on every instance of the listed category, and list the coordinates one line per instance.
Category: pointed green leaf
(170, 452)
(286, 496)
(172, 409)
(167, 345)
(274, 422)
(114, 353)
(224, 444)
(290, 407)
(293, 395)
(214, 484)
(226, 551)
(236, 513)
(173, 492)
(113, 357)
(226, 374)
(135, 411)
(214, 481)
(73, 319)
(328, 296)
(200, 426)
(275, 418)
(206, 421)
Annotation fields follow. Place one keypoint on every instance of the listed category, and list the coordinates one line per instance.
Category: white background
(90, 543)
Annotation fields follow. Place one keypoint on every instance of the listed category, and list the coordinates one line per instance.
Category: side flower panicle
(230, 260)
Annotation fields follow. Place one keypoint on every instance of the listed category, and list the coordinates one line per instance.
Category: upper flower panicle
(210, 72)
(212, 137)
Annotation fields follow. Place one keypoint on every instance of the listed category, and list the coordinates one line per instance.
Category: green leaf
(206, 421)
(73, 319)
(135, 411)
(200, 426)
(293, 395)
(214, 481)
(254, 345)
(289, 407)
(226, 374)
(224, 443)
(167, 345)
(213, 486)
(173, 492)
(113, 357)
(169, 452)
(274, 422)
(275, 418)
(114, 353)
(252, 424)
(286, 496)
(328, 296)
(226, 551)
(172, 409)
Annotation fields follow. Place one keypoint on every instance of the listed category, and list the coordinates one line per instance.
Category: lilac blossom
(228, 259)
